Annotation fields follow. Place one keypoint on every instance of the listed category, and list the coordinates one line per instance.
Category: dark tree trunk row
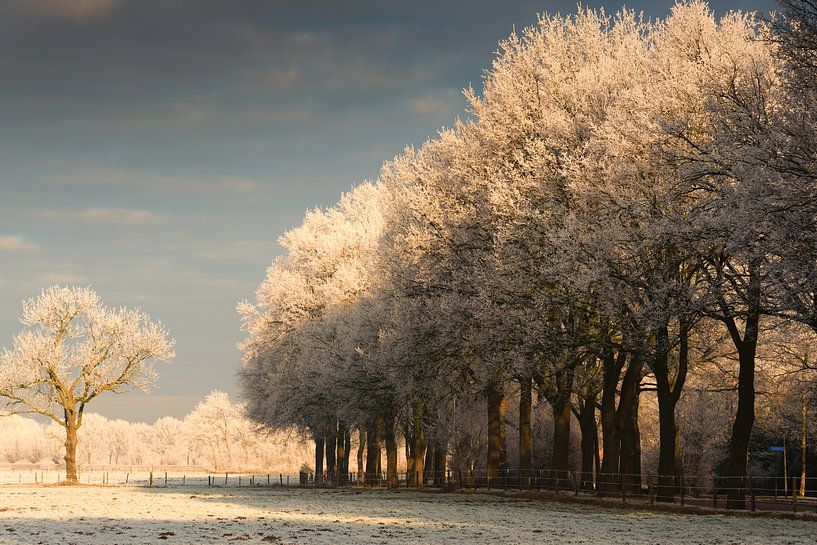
(630, 462)
(391, 453)
(616, 418)
(525, 437)
(320, 441)
(670, 465)
(560, 401)
(331, 453)
(496, 400)
(589, 444)
(361, 448)
(372, 454)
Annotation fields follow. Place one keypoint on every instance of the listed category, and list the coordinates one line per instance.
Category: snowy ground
(128, 515)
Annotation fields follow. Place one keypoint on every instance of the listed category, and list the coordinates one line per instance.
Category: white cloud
(14, 243)
(236, 185)
(439, 105)
(237, 250)
(126, 216)
(96, 174)
(117, 215)
(64, 279)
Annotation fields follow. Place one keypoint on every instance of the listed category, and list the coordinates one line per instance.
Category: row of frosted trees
(626, 201)
(216, 434)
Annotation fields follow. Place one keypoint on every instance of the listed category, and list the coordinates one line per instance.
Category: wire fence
(752, 493)
(148, 477)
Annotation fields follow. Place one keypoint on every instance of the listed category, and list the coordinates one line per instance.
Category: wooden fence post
(623, 488)
(752, 492)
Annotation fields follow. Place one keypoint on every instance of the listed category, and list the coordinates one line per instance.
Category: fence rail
(716, 492)
(148, 477)
(752, 493)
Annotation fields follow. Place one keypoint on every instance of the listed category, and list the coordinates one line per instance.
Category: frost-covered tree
(308, 357)
(734, 85)
(169, 440)
(620, 188)
(73, 350)
(214, 425)
(788, 149)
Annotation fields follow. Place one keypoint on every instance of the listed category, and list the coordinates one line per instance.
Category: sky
(156, 150)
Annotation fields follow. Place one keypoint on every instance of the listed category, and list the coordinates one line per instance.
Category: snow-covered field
(128, 515)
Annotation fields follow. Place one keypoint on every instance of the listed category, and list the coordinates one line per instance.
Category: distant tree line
(216, 434)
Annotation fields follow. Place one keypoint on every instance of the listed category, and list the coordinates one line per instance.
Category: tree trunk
(596, 456)
(503, 451)
(607, 477)
(616, 419)
(561, 441)
(803, 448)
(408, 434)
(667, 448)
(71, 428)
(379, 439)
(587, 425)
(560, 401)
(361, 448)
(331, 445)
(742, 428)
(419, 447)
(745, 414)
(439, 466)
(428, 467)
(391, 452)
(372, 455)
(320, 440)
(525, 440)
(495, 435)
(670, 467)
(630, 463)
(340, 453)
(347, 454)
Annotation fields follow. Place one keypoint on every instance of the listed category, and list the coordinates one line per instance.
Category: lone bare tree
(73, 349)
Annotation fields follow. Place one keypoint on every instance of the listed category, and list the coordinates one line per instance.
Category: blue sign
(776, 449)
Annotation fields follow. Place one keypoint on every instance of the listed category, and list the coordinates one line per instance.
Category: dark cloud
(150, 72)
